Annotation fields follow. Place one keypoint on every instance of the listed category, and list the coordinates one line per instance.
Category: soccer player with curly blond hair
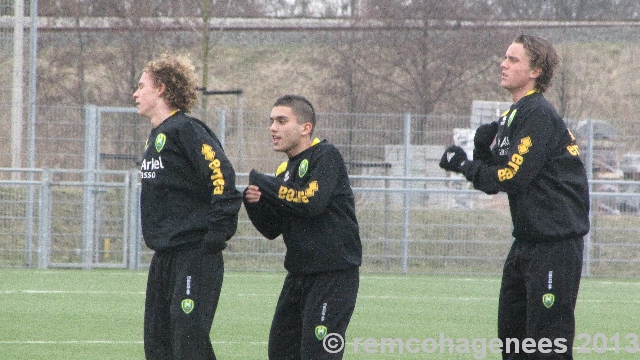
(189, 207)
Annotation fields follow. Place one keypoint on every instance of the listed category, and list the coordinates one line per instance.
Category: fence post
(405, 193)
(589, 169)
(90, 166)
(31, 129)
(222, 127)
(44, 220)
(133, 240)
(387, 217)
(30, 221)
(126, 217)
(17, 94)
(241, 139)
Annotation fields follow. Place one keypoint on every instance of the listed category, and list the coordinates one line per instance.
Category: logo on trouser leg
(187, 306)
(548, 300)
(321, 332)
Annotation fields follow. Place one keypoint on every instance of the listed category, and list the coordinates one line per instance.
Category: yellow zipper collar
(284, 165)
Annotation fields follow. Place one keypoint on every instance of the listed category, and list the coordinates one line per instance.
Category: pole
(222, 127)
(205, 52)
(589, 166)
(91, 152)
(16, 95)
(405, 194)
(31, 153)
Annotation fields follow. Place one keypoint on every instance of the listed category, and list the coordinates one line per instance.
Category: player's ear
(307, 128)
(161, 88)
(535, 72)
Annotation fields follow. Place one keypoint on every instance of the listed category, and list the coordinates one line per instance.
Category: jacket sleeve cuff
(470, 168)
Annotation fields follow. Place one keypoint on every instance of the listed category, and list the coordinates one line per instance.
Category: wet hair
(177, 73)
(301, 108)
(543, 56)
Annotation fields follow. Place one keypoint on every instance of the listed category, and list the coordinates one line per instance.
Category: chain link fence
(414, 218)
(69, 186)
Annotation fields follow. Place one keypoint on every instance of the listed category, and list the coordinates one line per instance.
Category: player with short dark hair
(310, 203)
(189, 207)
(535, 160)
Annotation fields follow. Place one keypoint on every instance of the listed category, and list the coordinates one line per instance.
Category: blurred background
(394, 83)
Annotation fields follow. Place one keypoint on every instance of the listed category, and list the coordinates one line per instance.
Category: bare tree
(468, 9)
(420, 69)
(71, 69)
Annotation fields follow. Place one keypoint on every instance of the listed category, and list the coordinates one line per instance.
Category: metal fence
(83, 211)
(76, 204)
(74, 223)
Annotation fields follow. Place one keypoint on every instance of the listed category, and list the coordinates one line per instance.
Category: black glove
(214, 242)
(453, 159)
(482, 142)
(485, 135)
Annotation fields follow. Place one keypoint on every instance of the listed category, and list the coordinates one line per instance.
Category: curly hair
(179, 78)
(543, 56)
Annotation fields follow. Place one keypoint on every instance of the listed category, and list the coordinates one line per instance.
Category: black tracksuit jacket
(536, 162)
(312, 205)
(188, 186)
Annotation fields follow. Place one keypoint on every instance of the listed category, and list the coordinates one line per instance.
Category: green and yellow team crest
(548, 300)
(161, 139)
(321, 332)
(302, 169)
(187, 306)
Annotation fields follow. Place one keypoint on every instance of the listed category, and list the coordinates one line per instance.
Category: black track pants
(183, 289)
(538, 296)
(309, 308)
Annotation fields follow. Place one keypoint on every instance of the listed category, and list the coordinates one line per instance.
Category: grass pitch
(97, 314)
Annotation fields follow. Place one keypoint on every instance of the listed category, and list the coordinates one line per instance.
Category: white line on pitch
(109, 342)
(88, 292)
